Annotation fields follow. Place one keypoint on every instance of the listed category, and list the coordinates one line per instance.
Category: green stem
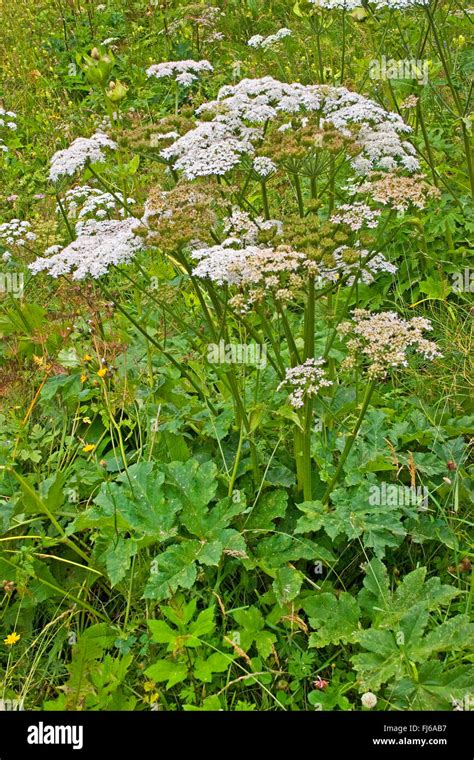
(349, 442)
(107, 187)
(236, 462)
(457, 101)
(299, 194)
(343, 45)
(266, 210)
(64, 216)
(308, 404)
(157, 345)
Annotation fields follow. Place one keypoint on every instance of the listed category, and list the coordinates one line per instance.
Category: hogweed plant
(331, 168)
(235, 356)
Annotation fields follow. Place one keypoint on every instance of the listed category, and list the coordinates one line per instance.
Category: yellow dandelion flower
(87, 358)
(83, 378)
(88, 447)
(102, 372)
(11, 639)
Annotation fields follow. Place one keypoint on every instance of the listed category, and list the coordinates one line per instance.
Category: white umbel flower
(16, 232)
(213, 147)
(263, 166)
(7, 121)
(240, 224)
(350, 5)
(246, 266)
(382, 340)
(258, 41)
(85, 202)
(305, 380)
(216, 146)
(98, 246)
(80, 152)
(356, 216)
(183, 72)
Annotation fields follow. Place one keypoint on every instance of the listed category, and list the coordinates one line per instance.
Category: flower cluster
(15, 233)
(212, 147)
(350, 5)
(90, 202)
(356, 216)
(251, 231)
(398, 191)
(99, 245)
(183, 72)
(305, 380)
(352, 261)
(7, 121)
(216, 146)
(410, 102)
(383, 340)
(263, 166)
(257, 270)
(81, 151)
(180, 217)
(258, 41)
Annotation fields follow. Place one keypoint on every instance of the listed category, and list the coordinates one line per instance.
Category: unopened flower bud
(117, 91)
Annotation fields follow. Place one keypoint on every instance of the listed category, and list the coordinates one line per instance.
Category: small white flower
(369, 700)
(99, 245)
(263, 166)
(258, 41)
(184, 72)
(81, 150)
(305, 380)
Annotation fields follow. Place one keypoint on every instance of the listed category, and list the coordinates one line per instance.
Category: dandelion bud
(95, 54)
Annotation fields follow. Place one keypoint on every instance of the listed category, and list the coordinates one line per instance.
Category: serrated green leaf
(335, 618)
(269, 507)
(174, 568)
(215, 663)
(117, 558)
(204, 623)
(161, 632)
(264, 641)
(164, 670)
